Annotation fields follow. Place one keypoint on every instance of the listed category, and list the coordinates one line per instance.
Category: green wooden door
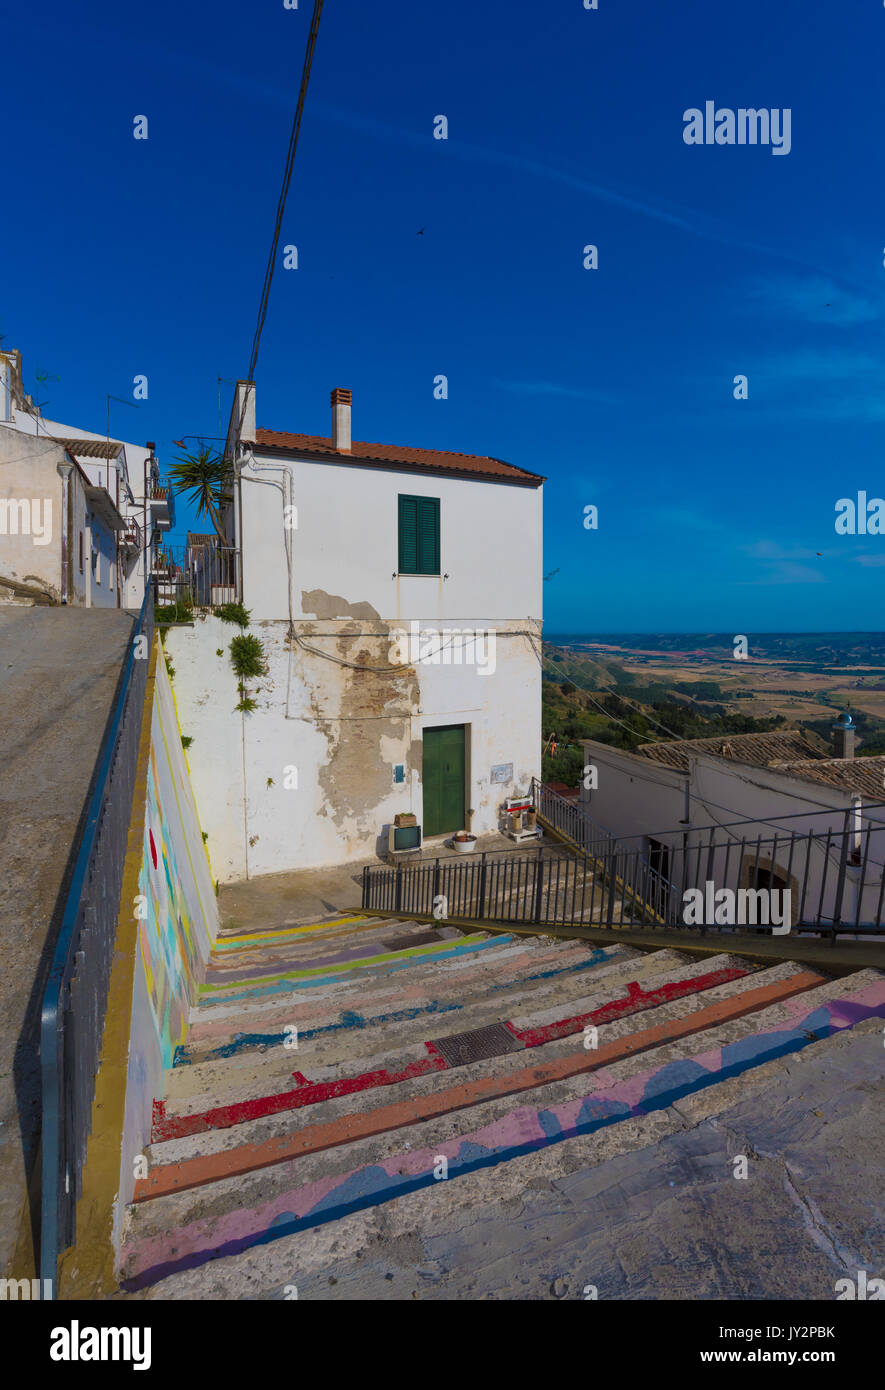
(445, 764)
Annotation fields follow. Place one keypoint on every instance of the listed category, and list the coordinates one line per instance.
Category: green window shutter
(408, 535)
(428, 535)
(418, 535)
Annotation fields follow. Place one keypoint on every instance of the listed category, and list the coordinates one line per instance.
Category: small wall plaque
(503, 772)
(399, 772)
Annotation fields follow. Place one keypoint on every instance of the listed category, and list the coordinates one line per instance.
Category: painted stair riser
(247, 1077)
(514, 966)
(532, 990)
(346, 1126)
(635, 1000)
(332, 1039)
(518, 1132)
(389, 964)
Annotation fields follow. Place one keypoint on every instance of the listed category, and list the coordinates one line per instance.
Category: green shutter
(418, 535)
(408, 535)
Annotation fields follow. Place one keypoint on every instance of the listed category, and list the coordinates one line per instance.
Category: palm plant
(204, 477)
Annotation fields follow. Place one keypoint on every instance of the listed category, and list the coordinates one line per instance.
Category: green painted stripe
(339, 969)
(240, 943)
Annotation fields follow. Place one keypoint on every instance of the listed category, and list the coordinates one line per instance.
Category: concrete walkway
(59, 671)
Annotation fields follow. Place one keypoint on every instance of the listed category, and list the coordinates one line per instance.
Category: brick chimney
(844, 731)
(341, 403)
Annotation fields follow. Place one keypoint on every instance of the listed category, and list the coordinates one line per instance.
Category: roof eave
(524, 479)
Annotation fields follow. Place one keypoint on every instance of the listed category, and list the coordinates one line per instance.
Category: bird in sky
(550, 575)
(420, 232)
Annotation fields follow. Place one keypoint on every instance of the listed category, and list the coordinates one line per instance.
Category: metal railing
(835, 875)
(523, 886)
(204, 576)
(75, 997)
(709, 879)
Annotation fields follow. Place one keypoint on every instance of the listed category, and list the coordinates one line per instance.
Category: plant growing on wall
(248, 660)
(233, 613)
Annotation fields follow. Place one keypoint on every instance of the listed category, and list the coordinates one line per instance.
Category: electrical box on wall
(399, 772)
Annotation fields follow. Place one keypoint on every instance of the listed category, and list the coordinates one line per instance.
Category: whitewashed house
(778, 810)
(79, 513)
(397, 594)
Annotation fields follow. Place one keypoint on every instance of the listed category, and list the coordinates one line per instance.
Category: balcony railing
(130, 536)
(201, 576)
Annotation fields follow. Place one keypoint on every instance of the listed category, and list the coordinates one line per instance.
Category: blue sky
(125, 257)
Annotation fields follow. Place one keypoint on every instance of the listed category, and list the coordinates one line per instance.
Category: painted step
(385, 963)
(247, 1072)
(571, 1216)
(328, 1035)
(327, 1185)
(263, 1139)
(513, 960)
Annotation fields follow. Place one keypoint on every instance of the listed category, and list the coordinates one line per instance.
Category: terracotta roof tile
(760, 750)
(862, 775)
(395, 456)
(92, 448)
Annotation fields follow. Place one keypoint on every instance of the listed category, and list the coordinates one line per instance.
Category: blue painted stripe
(186, 1056)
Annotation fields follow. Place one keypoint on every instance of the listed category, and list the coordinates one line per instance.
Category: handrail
(69, 1061)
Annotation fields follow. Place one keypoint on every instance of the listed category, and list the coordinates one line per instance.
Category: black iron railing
(534, 886)
(746, 876)
(75, 997)
(204, 576)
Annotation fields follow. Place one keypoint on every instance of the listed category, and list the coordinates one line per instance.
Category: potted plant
(464, 842)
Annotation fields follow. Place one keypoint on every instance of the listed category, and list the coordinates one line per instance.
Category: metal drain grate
(477, 1044)
(417, 938)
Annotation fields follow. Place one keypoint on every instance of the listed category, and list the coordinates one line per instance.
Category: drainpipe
(287, 493)
(64, 471)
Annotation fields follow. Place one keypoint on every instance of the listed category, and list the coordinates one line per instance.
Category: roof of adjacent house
(92, 448)
(783, 746)
(864, 775)
(315, 446)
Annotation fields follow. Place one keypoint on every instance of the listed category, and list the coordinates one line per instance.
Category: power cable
(287, 175)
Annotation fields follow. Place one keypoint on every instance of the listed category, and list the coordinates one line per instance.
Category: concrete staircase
(442, 1080)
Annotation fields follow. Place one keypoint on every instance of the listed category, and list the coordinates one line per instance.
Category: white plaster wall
(28, 472)
(346, 543)
(344, 733)
(633, 796)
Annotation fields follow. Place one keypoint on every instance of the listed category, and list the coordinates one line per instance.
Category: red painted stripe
(635, 1000)
(180, 1126)
(308, 1093)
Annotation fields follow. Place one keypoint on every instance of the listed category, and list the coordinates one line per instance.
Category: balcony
(162, 500)
(130, 536)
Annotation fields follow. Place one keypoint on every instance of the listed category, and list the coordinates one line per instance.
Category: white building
(778, 809)
(397, 594)
(100, 497)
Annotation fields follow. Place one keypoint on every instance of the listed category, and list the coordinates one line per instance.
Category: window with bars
(418, 535)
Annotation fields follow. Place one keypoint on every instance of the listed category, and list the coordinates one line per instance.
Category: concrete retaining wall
(177, 915)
